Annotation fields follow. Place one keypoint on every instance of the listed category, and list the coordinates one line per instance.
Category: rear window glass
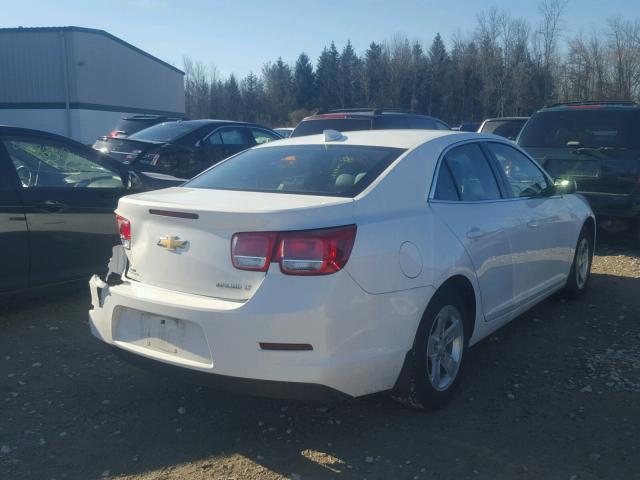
(590, 128)
(130, 127)
(505, 128)
(314, 127)
(165, 132)
(331, 170)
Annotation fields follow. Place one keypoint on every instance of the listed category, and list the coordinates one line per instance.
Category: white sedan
(341, 265)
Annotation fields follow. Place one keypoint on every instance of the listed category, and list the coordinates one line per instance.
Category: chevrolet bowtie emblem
(172, 243)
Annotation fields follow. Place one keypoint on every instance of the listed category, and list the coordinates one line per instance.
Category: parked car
(598, 145)
(284, 132)
(507, 127)
(467, 127)
(57, 199)
(346, 120)
(314, 267)
(183, 149)
(134, 123)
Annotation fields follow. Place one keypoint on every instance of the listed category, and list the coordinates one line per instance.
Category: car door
(224, 142)
(14, 241)
(469, 199)
(69, 196)
(543, 243)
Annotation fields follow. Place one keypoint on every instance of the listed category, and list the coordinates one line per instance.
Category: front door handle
(51, 206)
(533, 224)
(475, 233)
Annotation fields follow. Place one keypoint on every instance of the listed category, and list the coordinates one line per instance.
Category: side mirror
(565, 186)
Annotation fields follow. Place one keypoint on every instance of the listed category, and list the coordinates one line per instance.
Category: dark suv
(365, 119)
(598, 145)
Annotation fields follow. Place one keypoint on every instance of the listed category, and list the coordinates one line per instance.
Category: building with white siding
(79, 82)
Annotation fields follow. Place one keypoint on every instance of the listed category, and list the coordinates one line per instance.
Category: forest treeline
(505, 66)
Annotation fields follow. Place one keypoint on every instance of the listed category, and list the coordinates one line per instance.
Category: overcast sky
(241, 35)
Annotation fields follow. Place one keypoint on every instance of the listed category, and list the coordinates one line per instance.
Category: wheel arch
(467, 292)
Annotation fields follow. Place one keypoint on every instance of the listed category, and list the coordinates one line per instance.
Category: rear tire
(580, 273)
(438, 353)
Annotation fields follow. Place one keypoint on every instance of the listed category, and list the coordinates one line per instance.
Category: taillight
(124, 227)
(310, 252)
(252, 251)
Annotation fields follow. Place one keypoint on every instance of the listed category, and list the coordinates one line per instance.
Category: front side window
(42, 162)
(472, 173)
(328, 170)
(262, 136)
(523, 176)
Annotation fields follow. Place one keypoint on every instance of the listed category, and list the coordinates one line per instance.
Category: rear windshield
(165, 132)
(591, 128)
(505, 128)
(132, 126)
(314, 127)
(331, 170)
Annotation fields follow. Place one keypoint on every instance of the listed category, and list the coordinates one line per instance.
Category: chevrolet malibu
(339, 265)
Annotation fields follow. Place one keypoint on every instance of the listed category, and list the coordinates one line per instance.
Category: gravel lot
(554, 395)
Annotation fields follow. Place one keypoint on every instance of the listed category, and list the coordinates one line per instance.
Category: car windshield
(589, 128)
(328, 170)
(505, 128)
(165, 132)
(313, 127)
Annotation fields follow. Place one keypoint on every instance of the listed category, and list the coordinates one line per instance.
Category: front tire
(438, 352)
(581, 268)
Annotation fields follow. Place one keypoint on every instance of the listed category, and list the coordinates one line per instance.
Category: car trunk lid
(181, 237)
(124, 150)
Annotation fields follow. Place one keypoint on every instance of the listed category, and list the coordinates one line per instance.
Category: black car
(180, 150)
(365, 119)
(598, 145)
(507, 127)
(57, 199)
(130, 125)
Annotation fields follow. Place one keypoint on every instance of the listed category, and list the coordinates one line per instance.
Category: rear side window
(523, 176)
(472, 174)
(445, 187)
(592, 128)
(423, 123)
(328, 170)
(314, 127)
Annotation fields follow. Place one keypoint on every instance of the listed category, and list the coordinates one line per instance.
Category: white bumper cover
(359, 340)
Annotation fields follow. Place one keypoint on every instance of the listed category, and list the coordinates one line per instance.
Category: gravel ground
(554, 395)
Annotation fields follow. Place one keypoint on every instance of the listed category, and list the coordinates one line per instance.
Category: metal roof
(94, 31)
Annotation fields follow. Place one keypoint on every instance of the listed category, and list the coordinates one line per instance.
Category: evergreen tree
(327, 78)
(303, 82)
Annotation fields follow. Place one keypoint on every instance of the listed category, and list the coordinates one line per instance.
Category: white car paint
(361, 320)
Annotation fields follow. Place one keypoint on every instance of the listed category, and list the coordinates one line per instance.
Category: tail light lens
(124, 227)
(252, 251)
(311, 252)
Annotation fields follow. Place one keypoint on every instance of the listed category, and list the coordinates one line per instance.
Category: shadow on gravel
(533, 404)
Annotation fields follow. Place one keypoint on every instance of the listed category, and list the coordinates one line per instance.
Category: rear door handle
(475, 233)
(51, 206)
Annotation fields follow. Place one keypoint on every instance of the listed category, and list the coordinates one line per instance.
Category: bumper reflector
(285, 346)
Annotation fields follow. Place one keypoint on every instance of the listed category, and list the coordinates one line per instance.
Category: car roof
(208, 121)
(10, 130)
(593, 105)
(499, 119)
(406, 139)
(363, 112)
